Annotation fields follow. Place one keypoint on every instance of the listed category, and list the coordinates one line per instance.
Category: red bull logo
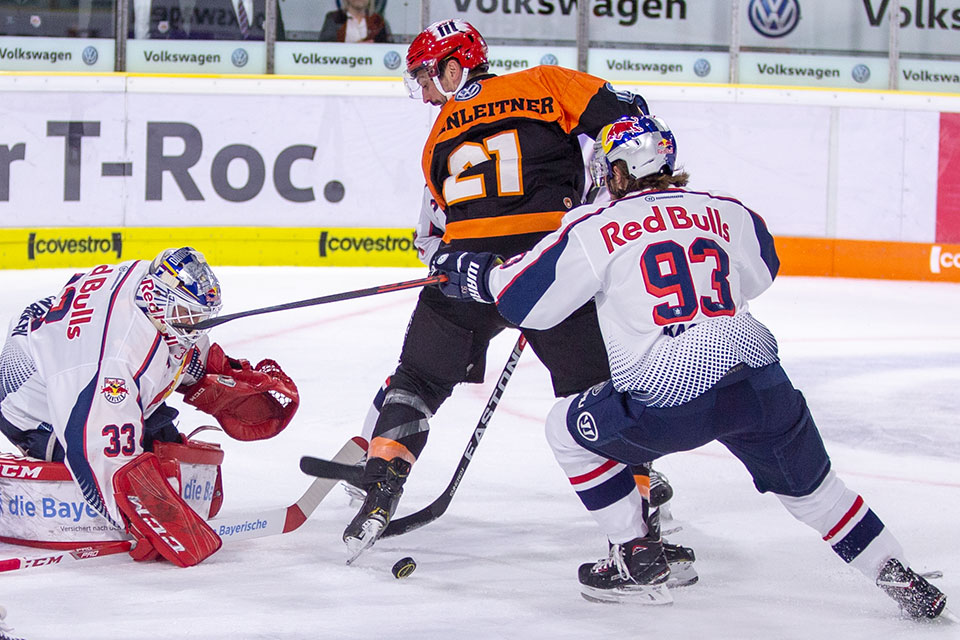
(114, 390)
(617, 130)
(664, 147)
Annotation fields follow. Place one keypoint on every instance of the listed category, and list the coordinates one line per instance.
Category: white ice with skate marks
(879, 363)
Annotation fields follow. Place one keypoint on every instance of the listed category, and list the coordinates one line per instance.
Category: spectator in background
(355, 21)
(206, 19)
(63, 19)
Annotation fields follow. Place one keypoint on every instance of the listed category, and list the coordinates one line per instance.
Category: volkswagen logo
(587, 427)
(89, 55)
(391, 60)
(701, 67)
(549, 58)
(861, 73)
(468, 92)
(774, 18)
(239, 57)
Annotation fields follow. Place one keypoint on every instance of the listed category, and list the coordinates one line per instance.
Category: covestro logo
(332, 243)
(940, 259)
(40, 245)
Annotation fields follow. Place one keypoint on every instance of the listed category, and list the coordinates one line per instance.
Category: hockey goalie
(84, 376)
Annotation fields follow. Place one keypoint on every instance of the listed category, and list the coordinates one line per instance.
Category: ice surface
(879, 363)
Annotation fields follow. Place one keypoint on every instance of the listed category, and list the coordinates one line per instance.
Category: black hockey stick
(351, 474)
(334, 297)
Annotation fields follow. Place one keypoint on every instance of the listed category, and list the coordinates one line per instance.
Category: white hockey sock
(848, 524)
(605, 487)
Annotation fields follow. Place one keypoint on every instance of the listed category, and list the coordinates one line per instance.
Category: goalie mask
(645, 143)
(181, 288)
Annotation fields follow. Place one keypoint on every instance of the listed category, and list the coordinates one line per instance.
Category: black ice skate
(636, 571)
(917, 598)
(378, 505)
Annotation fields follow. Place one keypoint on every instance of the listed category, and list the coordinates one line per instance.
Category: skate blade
(682, 574)
(946, 614)
(666, 513)
(371, 530)
(656, 594)
(931, 575)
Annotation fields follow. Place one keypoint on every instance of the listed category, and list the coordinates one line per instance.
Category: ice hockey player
(502, 165)
(84, 377)
(672, 271)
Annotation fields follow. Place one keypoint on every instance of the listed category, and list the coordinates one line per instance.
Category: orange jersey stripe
(504, 226)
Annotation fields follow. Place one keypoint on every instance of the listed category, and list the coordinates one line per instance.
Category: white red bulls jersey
(671, 272)
(91, 365)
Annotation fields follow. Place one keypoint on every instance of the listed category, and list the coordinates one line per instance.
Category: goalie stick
(334, 297)
(230, 527)
(353, 474)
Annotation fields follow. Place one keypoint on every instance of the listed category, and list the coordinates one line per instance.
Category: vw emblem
(549, 58)
(861, 73)
(468, 92)
(701, 67)
(239, 57)
(391, 60)
(774, 18)
(90, 55)
(587, 427)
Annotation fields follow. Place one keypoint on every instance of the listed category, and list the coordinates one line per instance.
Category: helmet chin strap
(464, 72)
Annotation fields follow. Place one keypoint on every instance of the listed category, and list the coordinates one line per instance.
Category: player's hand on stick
(250, 403)
(466, 274)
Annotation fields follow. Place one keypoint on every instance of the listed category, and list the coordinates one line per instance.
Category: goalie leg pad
(193, 469)
(159, 518)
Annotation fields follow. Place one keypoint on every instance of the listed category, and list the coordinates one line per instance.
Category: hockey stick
(330, 469)
(334, 297)
(230, 528)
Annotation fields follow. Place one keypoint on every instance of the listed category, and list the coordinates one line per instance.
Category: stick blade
(320, 468)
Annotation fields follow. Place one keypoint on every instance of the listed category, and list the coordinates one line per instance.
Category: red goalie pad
(158, 518)
(250, 403)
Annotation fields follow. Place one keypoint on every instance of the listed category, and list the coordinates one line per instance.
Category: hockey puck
(404, 567)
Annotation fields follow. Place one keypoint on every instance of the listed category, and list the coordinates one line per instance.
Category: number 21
(506, 147)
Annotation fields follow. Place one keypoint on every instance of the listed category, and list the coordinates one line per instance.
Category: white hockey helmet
(182, 289)
(645, 143)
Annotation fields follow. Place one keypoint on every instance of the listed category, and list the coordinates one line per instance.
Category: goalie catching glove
(250, 403)
(466, 274)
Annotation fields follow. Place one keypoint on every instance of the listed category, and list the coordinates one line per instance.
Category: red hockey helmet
(455, 39)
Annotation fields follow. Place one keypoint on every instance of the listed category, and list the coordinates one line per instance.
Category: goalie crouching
(83, 379)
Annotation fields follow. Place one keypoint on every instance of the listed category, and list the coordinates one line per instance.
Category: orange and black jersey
(503, 159)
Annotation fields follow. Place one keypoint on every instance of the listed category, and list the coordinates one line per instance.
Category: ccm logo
(940, 259)
(17, 471)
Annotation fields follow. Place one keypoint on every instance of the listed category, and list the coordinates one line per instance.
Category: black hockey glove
(467, 274)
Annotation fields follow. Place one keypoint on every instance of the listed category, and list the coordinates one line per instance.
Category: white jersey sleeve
(541, 287)
(428, 235)
(672, 273)
(97, 368)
